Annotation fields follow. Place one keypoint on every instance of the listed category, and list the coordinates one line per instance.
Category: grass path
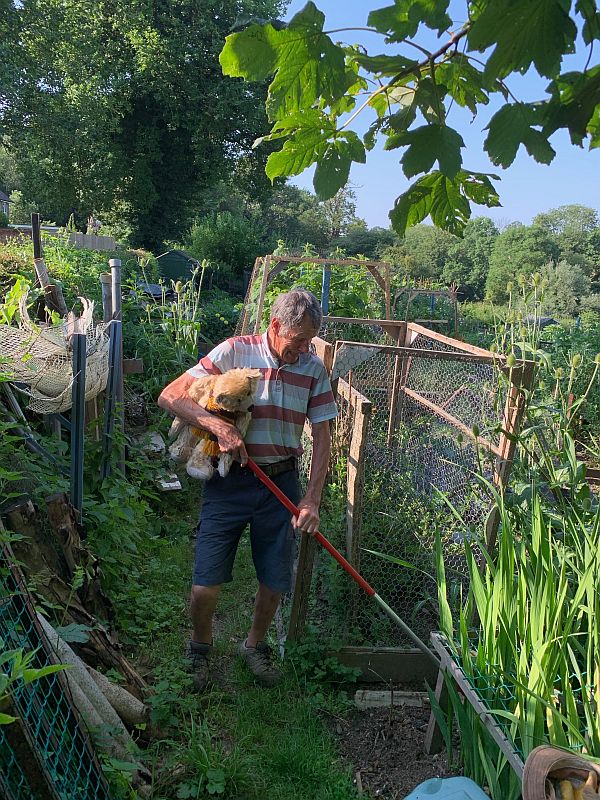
(238, 740)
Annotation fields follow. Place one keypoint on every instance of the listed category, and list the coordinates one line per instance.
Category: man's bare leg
(265, 606)
(203, 602)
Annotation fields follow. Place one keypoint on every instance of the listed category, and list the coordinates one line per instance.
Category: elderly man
(294, 387)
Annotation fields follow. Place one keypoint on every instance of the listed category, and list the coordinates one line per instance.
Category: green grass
(238, 740)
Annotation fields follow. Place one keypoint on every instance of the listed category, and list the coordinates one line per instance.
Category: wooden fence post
(361, 416)
(397, 385)
(308, 547)
(362, 408)
(514, 408)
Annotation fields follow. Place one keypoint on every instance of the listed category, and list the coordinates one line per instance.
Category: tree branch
(454, 39)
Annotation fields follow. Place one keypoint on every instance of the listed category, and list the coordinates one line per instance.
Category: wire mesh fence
(420, 423)
(54, 757)
(420, 430)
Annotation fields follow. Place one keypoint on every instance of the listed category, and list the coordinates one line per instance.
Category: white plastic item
(448, 789)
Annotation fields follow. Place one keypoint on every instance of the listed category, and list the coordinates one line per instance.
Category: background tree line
(562, 244)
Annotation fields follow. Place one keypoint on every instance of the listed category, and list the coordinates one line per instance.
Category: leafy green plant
(317, 92)
(315, 660)
(208, 768)
(533, 654)
(15, 671)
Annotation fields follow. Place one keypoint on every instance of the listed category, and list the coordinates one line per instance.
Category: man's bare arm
(175, 399)
(308, 520)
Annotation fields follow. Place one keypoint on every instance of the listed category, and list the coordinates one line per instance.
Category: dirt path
(385, 749)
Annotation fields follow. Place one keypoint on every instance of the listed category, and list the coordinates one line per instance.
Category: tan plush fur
(233, 391)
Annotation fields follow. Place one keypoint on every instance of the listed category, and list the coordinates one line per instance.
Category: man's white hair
(293, 307)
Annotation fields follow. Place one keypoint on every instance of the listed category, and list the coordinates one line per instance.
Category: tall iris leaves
(533, 654)
(319, 87)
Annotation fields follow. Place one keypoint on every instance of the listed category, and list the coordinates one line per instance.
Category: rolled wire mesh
(45, 709)
(420, 477)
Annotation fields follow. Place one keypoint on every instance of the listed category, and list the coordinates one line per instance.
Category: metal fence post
(107, 307)
(78, 421)
(325, 288)
(111, 393)
(117, 315)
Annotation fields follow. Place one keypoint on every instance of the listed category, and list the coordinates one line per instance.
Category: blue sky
(525, 189)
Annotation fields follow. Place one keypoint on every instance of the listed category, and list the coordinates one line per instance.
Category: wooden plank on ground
(385, 664)
(386, 698)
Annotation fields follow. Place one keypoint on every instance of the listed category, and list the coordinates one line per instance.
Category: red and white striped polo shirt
(287, 394)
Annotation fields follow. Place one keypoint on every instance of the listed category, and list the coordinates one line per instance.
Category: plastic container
(448, 789)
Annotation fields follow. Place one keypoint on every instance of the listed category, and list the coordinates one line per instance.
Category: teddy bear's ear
(254, 373)
(200, 390)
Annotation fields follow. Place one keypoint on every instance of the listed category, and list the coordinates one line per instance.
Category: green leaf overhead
(465, 84)
(575, 97)
(407, 94)
(333, 169)
(251, 54)
(426, 145)
(384, 64)
(306, 64)
(512, 127)
(443, 199)
(308, 134)
(524, 32)
(591, 15)
(402, 19)
(594, 128)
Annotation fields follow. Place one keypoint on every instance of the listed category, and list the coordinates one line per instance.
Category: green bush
(76, 269)
(3, 220)
(231, 242)
(13, 263)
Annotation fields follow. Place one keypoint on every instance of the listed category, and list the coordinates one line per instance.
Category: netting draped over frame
(349, 357)
(39, 358)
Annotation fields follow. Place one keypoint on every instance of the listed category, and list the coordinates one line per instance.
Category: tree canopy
(319, 87)
(120, 106)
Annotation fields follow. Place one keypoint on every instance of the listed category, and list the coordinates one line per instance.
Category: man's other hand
(308, 519)
(231, 442)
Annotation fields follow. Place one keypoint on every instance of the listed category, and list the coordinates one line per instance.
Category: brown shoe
(197, 656)
(260, 661)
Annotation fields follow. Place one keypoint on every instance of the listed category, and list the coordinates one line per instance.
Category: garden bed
(385, 747)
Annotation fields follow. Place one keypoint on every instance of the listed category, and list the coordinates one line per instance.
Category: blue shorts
(228, 505)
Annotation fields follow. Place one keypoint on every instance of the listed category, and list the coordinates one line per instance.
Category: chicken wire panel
(247, 319)
(413, 471)
(466, 389)
(45, 710)
(334, 330)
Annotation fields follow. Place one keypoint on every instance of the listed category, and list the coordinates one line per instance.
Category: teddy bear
(229, 396)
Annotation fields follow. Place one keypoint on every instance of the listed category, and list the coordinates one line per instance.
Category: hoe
(345, 564)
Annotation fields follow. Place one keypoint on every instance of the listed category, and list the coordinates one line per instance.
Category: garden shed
(177, 265)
